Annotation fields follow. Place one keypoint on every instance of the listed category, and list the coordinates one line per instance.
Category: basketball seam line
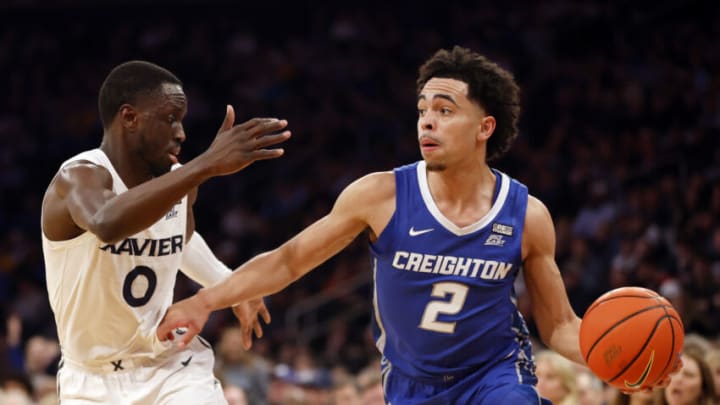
(642, 349)
(597, 304)
(610, 329)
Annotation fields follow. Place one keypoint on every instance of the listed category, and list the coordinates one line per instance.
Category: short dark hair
(126, 82)
(489, 85)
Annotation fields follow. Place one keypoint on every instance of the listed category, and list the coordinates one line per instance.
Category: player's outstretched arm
(272, 271)
(200, 264)
(557, 323)
(81, 196)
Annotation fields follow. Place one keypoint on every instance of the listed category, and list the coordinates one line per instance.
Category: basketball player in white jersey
(117, 224)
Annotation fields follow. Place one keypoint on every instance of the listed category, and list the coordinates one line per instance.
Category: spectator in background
(235, 395)
(346, 392)
(597, 211)
(703, 299)
(15, 398)
(242, 368)
(371, 388)
(17, 387)
(41, 358)
(11, 344)
(590, 389)
(556, 378)
(694, 384)
(712, 357)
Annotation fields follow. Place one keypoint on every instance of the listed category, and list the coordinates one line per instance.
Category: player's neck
(132, 173)
(462, 185)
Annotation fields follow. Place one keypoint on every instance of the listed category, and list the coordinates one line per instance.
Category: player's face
(448, 123)
(160, 128)
(685, 386)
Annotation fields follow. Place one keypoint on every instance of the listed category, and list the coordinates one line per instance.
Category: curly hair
(489, 85)
(128, 81)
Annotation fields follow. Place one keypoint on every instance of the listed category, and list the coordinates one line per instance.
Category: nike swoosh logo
(186, 362)
(644, 374)
(413, 232)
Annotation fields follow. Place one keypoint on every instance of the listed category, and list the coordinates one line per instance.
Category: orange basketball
(631, 338)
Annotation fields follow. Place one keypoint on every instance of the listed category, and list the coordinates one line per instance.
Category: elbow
(105, 230)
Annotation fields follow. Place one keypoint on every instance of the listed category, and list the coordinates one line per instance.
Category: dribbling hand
(237, 146)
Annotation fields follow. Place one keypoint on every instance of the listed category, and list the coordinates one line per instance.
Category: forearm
(564, 339)
(201, 265)
(141, 206)
(263, 275)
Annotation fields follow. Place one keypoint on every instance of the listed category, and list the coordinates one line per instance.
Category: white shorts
(185, 377)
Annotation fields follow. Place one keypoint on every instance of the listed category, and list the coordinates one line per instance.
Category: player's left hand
(189, 314)
(249, 313)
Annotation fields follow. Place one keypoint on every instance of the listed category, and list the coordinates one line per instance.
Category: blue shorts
(500, 383)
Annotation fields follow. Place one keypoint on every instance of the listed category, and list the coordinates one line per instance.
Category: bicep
(543, 280)
(545, 286)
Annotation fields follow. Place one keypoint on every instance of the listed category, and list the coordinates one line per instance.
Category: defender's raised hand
(237, 146)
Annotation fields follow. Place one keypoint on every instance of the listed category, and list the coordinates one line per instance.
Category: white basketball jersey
(109, 298)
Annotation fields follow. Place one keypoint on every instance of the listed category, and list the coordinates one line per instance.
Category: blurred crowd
(620, 137)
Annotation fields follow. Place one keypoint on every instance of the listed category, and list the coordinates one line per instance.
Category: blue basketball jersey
(444, 302)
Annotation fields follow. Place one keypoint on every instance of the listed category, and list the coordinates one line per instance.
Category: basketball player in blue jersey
(448, 237)
(117, 224)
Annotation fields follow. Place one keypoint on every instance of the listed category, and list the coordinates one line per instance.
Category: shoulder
(370, 199)
(536, 211)
(539, 231)
(81, 173)
(368, 191)
(373, 185)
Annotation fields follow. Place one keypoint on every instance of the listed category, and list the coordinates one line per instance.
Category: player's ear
(486, 127)
(128, 117)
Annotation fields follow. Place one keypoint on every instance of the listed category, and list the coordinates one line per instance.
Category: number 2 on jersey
(458, 293)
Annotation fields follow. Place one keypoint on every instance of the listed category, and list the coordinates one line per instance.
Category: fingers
(167, 330)
(257, 126)
(188, 336)
(258, 329)
(274, 139)
(183, 331)
(246, 335)
(229, 118)
(164, 330)
(265, 314)
(265, 154)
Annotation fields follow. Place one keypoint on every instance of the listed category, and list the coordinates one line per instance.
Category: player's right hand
(189, 315)
(237, 146)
